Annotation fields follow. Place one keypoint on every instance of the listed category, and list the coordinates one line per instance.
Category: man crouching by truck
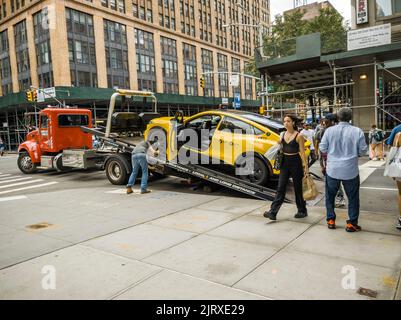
(139, 161)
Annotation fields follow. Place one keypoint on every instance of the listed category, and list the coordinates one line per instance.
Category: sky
(342, 6)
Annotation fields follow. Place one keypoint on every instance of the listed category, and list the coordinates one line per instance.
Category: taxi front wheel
(254, 170)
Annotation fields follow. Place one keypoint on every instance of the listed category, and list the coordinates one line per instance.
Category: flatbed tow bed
(125, 148)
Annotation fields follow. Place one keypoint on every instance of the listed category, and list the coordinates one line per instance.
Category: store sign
(362, 13)
(369, 37)
(224, 101)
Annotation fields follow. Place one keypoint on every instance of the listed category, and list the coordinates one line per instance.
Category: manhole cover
(39, 225)
(367, 292)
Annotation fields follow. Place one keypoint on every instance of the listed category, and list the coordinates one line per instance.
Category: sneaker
(352, 228)
(301, 215)
(270, 215)
(331, 224)
(398, 225)
(129, 190)
(145, 191)
(375, 159)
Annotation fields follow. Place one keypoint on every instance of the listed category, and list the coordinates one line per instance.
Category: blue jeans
(139, 161)
(351, 188)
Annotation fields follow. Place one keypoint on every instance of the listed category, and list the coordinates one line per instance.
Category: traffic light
(29, 95)
(34, 95)
(202, 82)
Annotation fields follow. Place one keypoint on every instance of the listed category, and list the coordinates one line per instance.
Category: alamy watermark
(348, 282)
(49, 278)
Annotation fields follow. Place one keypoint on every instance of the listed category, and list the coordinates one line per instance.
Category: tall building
(158, 45)
(370, 13)
(311, 10)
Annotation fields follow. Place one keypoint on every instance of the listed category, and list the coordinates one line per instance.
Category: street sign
(237, 101)
(50, 92)
(234, 80)
(40, 95)
(224, 101)
(46, 93)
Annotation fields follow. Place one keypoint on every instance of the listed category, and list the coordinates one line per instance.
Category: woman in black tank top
(294, 165)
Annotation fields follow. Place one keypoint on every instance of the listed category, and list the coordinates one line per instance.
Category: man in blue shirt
(396, 130)
(343, 144)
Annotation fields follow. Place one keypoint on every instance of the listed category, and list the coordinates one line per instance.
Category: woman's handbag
(309, 190)
(393, 163)
(278, 159)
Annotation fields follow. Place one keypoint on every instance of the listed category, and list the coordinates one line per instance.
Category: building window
(248, 88)
(386, 8)
(3, 9)
(236, 68)
(167, 14)
(223, 78)
(169, 62)
(22, 54)
(81, 48)
(115, 36)
(117, 5)
(43, 52)
(5, 67)
(145, 60)
(142, 10)
(46, 80)
(207, 66)
(79, 23)
(190, 74)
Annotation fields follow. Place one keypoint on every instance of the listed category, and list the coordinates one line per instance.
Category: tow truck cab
(59, 129)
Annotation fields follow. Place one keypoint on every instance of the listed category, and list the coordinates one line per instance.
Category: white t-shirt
(309, 134)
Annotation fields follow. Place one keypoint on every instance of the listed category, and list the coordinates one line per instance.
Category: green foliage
(281, 41)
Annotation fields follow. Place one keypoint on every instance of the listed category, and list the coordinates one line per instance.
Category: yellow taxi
(224, 137)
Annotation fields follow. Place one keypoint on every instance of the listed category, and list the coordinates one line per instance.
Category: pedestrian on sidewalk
(294, 165)
(343, 144)
(396, 138)
(1, 147)
(394, 132)
(376, 139)
(329, 121)
(139, 160)
(309, 134)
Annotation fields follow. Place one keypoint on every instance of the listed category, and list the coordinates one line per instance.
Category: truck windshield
(72, 120)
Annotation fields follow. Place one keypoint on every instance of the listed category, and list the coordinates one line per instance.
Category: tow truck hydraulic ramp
(185, 170)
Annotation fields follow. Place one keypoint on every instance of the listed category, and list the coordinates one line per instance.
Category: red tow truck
(59, 129)
(64, 139)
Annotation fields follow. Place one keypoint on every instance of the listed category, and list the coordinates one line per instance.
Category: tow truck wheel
(260, 172)
(25, 163)
(116, 172)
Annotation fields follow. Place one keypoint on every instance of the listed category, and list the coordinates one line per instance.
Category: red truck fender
(32, 148)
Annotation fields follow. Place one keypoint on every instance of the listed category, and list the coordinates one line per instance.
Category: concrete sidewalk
(197, 247)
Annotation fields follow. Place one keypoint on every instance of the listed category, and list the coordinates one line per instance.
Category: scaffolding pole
(375, 88)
